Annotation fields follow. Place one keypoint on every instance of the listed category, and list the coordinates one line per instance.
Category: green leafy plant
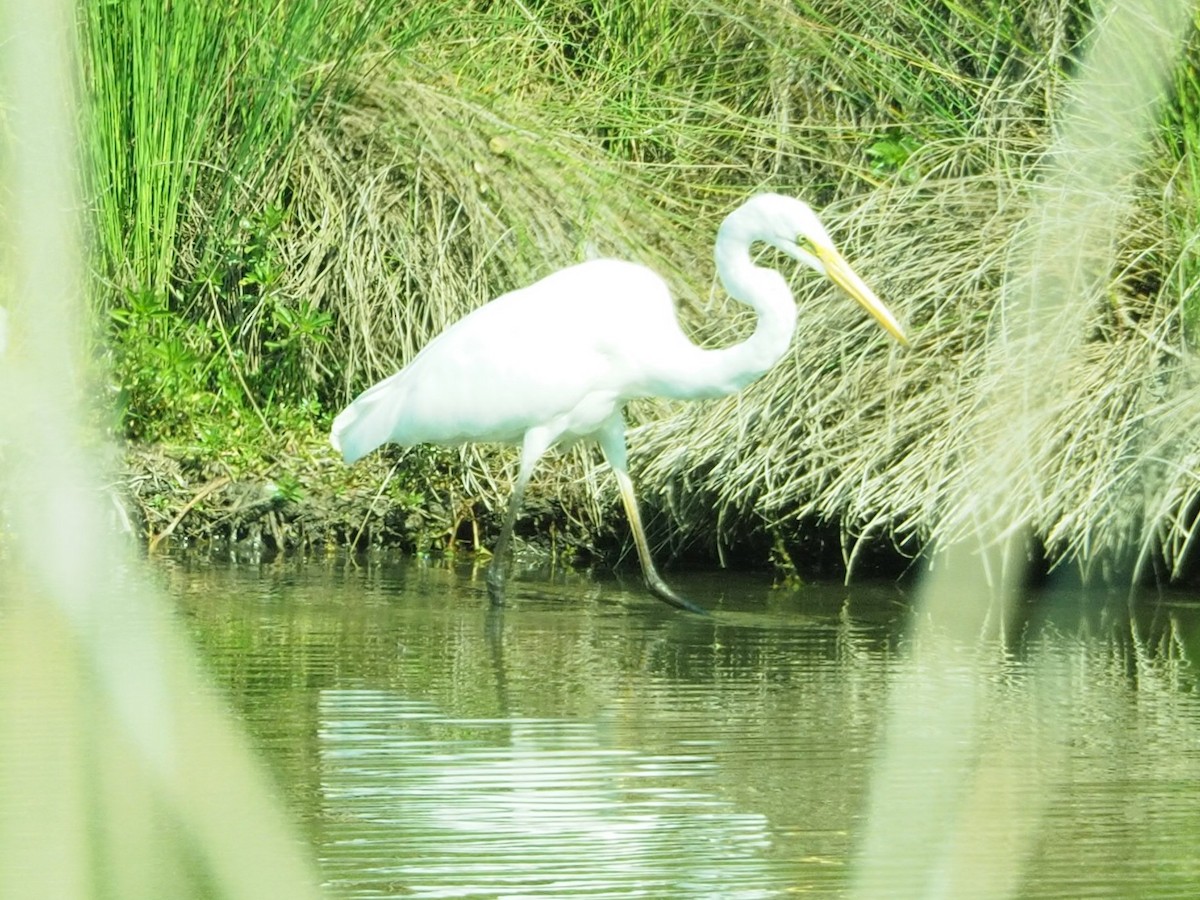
(162, 364)
(192, 109)
(889, 155)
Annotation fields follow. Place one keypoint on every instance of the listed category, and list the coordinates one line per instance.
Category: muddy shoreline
(174, 501)
(171, 501)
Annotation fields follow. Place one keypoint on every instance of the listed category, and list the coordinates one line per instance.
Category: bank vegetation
(288, 199)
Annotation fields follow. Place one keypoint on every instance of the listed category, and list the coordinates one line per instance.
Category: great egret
(555, 362)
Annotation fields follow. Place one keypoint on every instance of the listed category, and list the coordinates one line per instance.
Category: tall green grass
(197, 103)
(191, 112)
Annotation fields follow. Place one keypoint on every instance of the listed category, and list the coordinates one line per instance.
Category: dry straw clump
(489, 157)
(415, 206)
(875, 439)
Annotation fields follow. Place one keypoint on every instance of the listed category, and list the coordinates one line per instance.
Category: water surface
(588, 741)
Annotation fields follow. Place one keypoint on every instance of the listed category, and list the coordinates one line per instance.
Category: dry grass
(851, 430)
(404, 236)
(517, 141)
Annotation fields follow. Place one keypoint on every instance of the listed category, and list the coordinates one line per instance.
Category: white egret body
(557, 361)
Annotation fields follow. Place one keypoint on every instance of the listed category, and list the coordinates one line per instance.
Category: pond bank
(170, 498)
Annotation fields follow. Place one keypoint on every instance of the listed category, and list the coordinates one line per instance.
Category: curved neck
(715, 373)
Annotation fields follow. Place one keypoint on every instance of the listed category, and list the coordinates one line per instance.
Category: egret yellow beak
(847, 279)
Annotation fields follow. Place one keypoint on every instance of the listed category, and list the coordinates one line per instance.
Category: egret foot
(659, 589)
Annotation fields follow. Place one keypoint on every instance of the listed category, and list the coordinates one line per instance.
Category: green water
(587, 741)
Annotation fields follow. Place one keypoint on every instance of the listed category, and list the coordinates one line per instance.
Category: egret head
(790, 225)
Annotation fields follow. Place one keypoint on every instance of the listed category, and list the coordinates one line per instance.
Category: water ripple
(463, 807)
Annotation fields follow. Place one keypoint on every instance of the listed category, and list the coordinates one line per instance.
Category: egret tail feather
(367, 423)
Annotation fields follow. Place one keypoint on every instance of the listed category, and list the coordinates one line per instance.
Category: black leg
(536, 443)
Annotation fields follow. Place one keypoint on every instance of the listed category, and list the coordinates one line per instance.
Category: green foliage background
(289, 199)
